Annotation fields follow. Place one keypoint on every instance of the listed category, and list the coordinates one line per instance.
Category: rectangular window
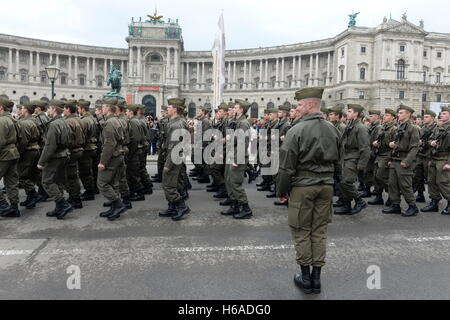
(343, 52)
(424, 97)
(438, 98)
(361, 95)
(341, 96)
(363, 50)
(438, 77)
(63, 80)
(424, 54)
(401, 95)
(402, 48)
(81, 81)
(439, 55)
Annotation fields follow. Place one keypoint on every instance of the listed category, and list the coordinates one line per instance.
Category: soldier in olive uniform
(100, 123)
(29, 155)
(403, 162)
(235, 169)
(383, 151)
(77, 141)
(424, 155)
(85, 163)
(177, 208)
(9, 157)
(145, 178)
(42, 120)
(309, 157)
(264, 128)
(273, 123)
(111, 160)
(162, 150)
(356, 155)
(439, 166)
(203, 124)
(54, 158)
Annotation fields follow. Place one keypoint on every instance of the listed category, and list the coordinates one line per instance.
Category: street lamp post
(52, 75)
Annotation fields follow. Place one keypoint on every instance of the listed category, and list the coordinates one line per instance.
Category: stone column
(316, 81)
(10, 64)
(182, 78)
(17, 64)
(282, 73)
(277, 79)
(30, 69)
(266, 76)
(187, 82)
(168, 64)
(234, 74)
(57, 60)
(69, 78)
(310, 82)
(38, 66)
(75, 77)
(198, 75)
(260, 74)
(130, 62)
(88, 74)
(203, 86)
(250, 76)
(230, 81)
(327, 79)
(122, 68)
(245, 75)
(139, 66)
(294, 76)
(94, 72)
(299, 72)
(176, 64)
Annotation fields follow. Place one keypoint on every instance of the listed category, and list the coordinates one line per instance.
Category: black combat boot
(303, 280)
(157, 179)
(182, 210)
(63, 208)
(170, 212)
(339, 203)
(411, 212)
(360, 204)
(43, 195)
(366, 193)
(221, 193)
(211, 185)
(35, 198)
(107, 213)
(271, 195)
(88, 196)
(245, 212)
(234, 209)
(204, 179)
(214, 188)
(315, 279)
(265, 187)
(394, 209)
(446, 211)
(12, 211)
(433, 207)
(138, 196)
(388, 203)
(76, 203)
(345, 209)
(127, 202)
(107, 204)
(377, 201)
(226, 202)
(148, 189)
(54, 212)
(117, 209)
(30, 196)
(420, 197)
(263, 182)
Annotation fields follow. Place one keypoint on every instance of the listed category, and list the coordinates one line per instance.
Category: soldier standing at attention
(383, 151)
(234, 172)
(29, 155)
(42, 120)
(9, 157)
(111, 160)
(439, 169)
(309, 157)
(177, 208)
(76, 143)
(403, 162)
(424, 155)
(356, 155)
(145, 178)
(273, 122)
(86, 161)
(54, 158)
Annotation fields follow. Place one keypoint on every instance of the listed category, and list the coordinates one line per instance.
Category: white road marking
(15, 252)
(426, 239)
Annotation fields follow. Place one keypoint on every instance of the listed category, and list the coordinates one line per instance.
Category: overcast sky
(248, 23)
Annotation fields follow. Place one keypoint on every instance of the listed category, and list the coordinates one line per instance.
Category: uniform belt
(311, 174)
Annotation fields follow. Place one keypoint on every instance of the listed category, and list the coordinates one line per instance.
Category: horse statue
(115, 79)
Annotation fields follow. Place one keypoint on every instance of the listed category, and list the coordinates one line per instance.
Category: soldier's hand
(282, 138)
(420, 142)
(392, 145)
(376, 144)
(389, 164)
(446, 167)
(404, 164)
(101, 166)
(235, 165)
(433, 143)
(167, 170)
(40, 167)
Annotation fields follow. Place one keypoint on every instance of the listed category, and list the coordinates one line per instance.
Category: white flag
(218, 52)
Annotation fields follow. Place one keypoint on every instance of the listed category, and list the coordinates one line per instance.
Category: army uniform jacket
(241, 123)
(384, 138)
(8, 138)
(56, 140)
(42, 120)
(126, 132)
(174, 124)
(137, 137)
(162, 132)
(442, 136)
(144, 125)
(283, 126)
(112, 137)
(77, 139)
(90, 132)
(29, 134)
(340, 126)
(406, 143)
(310, 154)
(355, 142)
(425, 134)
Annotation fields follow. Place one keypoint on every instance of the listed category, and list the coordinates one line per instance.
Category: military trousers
(369, 174)
(10, 176)
(170, 182)
(308, 217)
(133, 171)
(217, 173)
(438, 180)
(85, 165)
(54, 176)
(349, 177)
(421, 174)
(123, 187)
(234, 178)
(183, 180)
(381, 175)
(400, 183)
(95, 163)
(161, 161)
(73, 185)
(145, 178)
(108, 179)
(28, 171)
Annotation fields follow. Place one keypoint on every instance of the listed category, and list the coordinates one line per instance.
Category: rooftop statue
(352, 21)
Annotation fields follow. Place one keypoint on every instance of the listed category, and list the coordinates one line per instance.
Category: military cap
(285, 107)
(56, 103)
(223, 106)
(205, 108)
(390, 111)
(445, 109)
(308, 93)
(376, 112)
(324, 109)
(273, 110)
(266, 111)
(110, 101)
(164, 108)
(30, 107)
(430, 112)
(403, 107)
(243, 104)
(6, 103)
(98, 106)
(356, 107)
(83, 103)
(38, 103)
(177, 102)
(121, 102)
(132, 107)
(142, 107)
(70, 103)
(336, 109)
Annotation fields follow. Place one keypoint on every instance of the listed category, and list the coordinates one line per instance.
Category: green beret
(356, 107)
(308, 93)
(285, 107)
(445, 109)
(110, 101)
(223, 106)
(376, 112)
(403, 107)
(390, 111)
(56, 103)
(164, 108)
(83, 103)
(243, 104)
(177, 102)
(336, 109)
(3, 102)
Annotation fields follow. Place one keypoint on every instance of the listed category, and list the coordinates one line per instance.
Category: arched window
(362, 74)
(155, 58)
(23, 100)
(401, 69)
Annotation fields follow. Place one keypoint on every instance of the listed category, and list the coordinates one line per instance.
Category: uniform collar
(313, 116)
(5, 114)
